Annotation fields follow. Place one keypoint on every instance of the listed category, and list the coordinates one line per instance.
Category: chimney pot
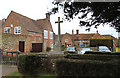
(72, 32)
(3, 21)
(48, 16)
(77, 31)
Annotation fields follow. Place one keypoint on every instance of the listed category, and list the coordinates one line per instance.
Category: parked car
(70, 50)
(83, 50)
(103, 49)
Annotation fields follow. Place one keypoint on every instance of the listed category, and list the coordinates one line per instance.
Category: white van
(103, 49)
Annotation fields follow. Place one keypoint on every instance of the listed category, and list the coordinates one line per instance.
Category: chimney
(3, 21)
(72, 31)
(97, 31)
(48, 16)
(77, 31)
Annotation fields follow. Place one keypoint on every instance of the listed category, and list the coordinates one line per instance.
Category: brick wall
(66, 36)
(48, 42)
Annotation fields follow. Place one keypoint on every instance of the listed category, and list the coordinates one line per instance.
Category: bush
(48, 49)
(93, 57)
(76, 68)
(32, 64)
(98, 52)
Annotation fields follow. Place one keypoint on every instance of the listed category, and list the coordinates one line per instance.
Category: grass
(16, 73)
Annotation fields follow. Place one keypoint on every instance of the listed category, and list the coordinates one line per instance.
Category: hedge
(33, 64)
(106, 53)
(86, 68)
(93, 57)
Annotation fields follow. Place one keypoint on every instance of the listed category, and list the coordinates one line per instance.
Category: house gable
(12, 21)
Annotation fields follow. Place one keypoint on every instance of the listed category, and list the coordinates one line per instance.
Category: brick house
(21, 33)
(81, 40)
(48, 31)
(0, 33)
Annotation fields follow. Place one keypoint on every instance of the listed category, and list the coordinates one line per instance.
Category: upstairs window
(17, 30)
(7, 30)
(66, 40)
(45, 34)
(51, 35)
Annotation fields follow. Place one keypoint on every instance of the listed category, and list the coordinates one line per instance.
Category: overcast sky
(36, 9)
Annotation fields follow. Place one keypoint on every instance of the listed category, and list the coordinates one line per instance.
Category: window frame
(45, 34)
(6, 28)
(51, 35)
(66, 41)
(17, 32)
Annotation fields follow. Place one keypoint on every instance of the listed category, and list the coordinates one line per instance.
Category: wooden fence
(10, 58)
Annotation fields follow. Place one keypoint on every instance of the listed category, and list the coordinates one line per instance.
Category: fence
(9, 58)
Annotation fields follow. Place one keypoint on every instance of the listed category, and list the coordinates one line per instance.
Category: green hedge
(100, 57)
(33, 64)
(87, 68)
(98, 52)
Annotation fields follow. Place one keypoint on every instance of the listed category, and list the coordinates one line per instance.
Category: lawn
(40, 76)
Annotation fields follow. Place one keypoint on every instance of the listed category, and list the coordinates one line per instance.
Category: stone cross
(59, 34)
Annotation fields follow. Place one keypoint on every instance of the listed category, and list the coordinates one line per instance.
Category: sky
(36, 9)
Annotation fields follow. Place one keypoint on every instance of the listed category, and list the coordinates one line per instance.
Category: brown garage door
(37, 47)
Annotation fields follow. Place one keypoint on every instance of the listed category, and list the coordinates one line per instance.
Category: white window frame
(66, 40)
(51, 35)
(18, 29)
(6, 30)
(45, 34)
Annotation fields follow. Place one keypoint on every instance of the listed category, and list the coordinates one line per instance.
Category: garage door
(37, 47)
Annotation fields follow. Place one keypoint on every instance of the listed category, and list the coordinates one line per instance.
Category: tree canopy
(101, 12)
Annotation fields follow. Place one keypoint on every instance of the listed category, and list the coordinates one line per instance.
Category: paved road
(7, 69)
(56, 52)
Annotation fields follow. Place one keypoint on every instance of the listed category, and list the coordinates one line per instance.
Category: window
(17, 30)
(51, 35)
(7, 30)
(51, 45)
(34, 38)
(66, 40)
(45, 34)
(39, 38)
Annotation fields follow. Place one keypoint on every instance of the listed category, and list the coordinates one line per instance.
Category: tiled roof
(97, 35)
(83, 36)
(28, 23)
(109, 36)
(45, 24)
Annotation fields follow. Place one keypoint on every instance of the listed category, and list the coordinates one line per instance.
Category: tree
(102, 13)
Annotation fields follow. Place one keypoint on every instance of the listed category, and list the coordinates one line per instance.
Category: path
(7, 69)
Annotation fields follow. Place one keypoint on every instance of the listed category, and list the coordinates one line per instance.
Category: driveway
(7, 69)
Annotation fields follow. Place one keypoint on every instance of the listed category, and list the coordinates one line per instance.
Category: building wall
(48, 42)
(11, 42)
(66, 36)
(15, 22)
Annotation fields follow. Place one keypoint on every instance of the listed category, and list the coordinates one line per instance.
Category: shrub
(106, 53)
(93, 57)
(32, 64)
(76, 68)
(48, 49)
